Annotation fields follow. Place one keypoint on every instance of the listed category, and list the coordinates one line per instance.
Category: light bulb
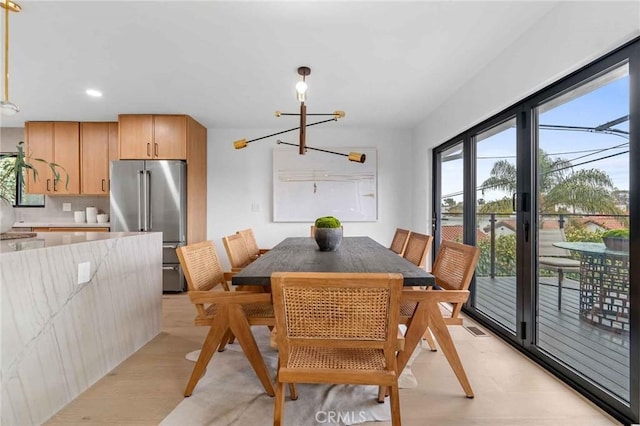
(301, 91)
(8, 109)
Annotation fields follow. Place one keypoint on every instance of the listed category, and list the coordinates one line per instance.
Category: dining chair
(417, 247)
(227, 313)
(237, 252)
(453, 269)
(252, 245)
(338, 328)
(399, 242)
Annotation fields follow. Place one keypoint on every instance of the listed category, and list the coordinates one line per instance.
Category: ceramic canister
(92, 215)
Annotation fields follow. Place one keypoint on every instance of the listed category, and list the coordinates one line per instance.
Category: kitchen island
(74, 306)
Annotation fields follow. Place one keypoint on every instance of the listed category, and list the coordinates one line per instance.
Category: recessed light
(93, 92)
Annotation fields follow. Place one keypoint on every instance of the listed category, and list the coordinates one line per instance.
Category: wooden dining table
(360, 255)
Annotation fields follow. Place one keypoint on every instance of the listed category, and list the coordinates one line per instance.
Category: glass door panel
(582, 286)
(452, 194)
(495, 282)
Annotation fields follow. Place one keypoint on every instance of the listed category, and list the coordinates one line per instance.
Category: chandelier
(301, 95)
(6, 106)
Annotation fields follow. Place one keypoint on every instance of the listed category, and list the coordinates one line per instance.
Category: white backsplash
(53, 208)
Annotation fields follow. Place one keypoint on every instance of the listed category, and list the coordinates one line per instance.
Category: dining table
(362, 255)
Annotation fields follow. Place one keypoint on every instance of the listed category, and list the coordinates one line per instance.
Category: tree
(560, 187)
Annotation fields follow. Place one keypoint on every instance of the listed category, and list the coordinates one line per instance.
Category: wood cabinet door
(39, 144)
(136, 137)
(170, 137)
(114, 153)
(66, 145)
(94, 165)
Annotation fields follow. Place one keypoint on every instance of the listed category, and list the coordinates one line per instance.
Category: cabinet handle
(102, 184)
(48, 182)
(55, 184)
(156, 149)
(148, 149)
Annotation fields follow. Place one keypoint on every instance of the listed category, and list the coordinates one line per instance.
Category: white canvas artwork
(316, 184)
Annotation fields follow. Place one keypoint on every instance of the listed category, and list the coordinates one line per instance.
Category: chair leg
(395, 405)
(242, 330)
(560, 278)
(278, 411)
(219, 327)
(293, 393)
(382, 393)
(429, 338)
(228, 338)
(439, 328)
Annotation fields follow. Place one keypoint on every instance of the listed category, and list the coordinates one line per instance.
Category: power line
(480, 188)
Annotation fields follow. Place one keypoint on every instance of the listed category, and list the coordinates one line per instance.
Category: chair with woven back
(417, 247)
(453, 269)
(337, 328)
(227, 313)
(399, 242)
(252, 245)
(237, 252)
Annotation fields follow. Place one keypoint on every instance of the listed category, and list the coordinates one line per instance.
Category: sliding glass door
(582, 195)
(550, 191)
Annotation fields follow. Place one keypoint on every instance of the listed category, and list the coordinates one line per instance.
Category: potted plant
(616, 239)
(328, 233)
(8, 173)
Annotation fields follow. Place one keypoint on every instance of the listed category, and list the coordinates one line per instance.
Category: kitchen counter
(53, 239)
(74, 306)
(60, 224)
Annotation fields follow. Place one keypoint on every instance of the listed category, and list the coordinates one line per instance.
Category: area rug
(230, 394)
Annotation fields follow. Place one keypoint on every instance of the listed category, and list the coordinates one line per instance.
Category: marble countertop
(54, 239)
(53, 223)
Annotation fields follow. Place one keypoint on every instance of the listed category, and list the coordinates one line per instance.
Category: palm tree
(559, 186)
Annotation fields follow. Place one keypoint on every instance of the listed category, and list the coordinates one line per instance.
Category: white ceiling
(232, 64)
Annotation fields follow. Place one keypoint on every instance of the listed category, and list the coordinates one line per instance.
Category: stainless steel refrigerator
(151, 196)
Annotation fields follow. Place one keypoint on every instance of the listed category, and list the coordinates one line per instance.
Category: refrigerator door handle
(140, 191)
(148, 214)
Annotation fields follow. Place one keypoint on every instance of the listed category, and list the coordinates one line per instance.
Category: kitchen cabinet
(57, 142)
(98, 144)
(153, 136)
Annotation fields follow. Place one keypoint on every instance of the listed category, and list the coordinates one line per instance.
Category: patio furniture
(604, 285)
(554, 258)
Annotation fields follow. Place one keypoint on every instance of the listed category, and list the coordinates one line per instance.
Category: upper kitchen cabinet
(56, 142)
(98, 144)
(153, 137)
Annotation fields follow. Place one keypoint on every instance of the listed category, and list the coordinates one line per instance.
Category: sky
(607, 102)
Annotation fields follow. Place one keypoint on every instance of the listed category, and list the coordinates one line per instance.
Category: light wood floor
(509, 388)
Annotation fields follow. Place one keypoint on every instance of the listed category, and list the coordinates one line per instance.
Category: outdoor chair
(555, 259)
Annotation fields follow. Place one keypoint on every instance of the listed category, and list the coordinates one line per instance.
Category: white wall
(570, 36)
(237, 179)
